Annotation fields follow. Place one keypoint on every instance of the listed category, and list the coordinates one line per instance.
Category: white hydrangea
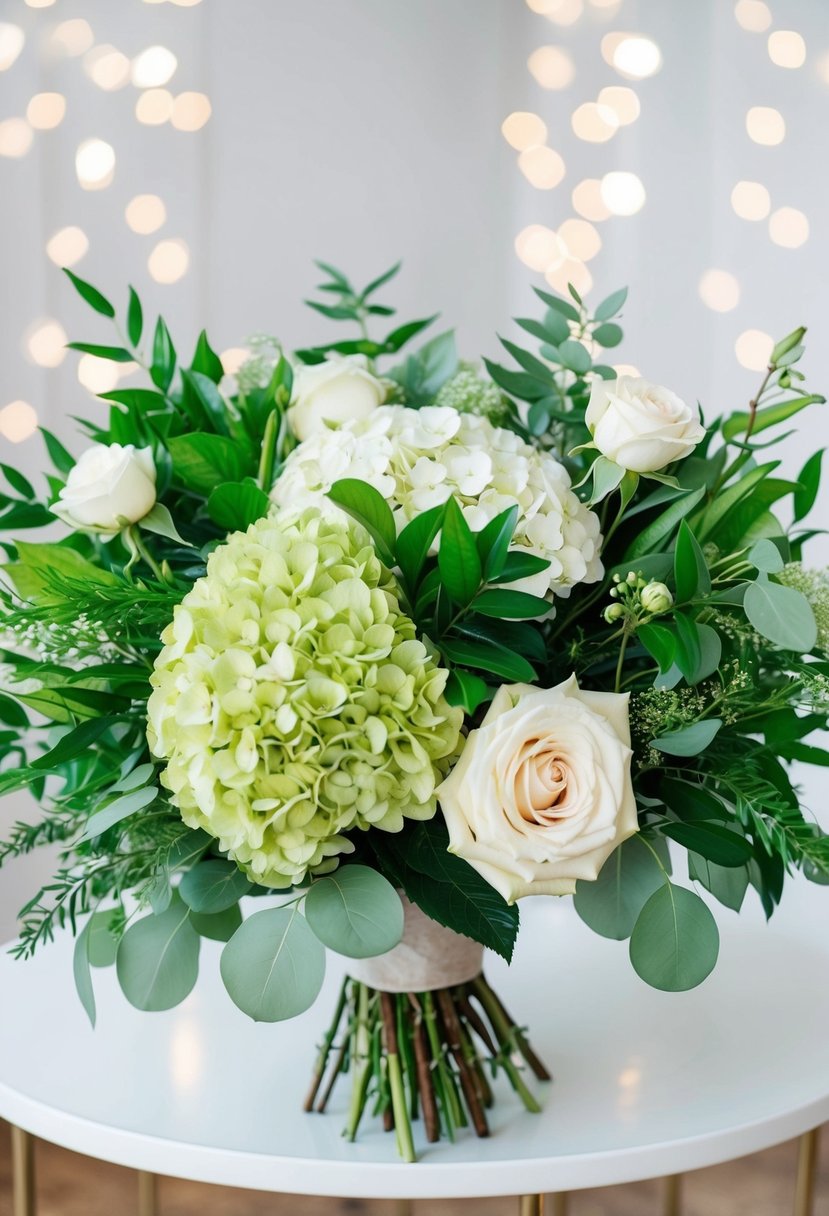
(417, 458)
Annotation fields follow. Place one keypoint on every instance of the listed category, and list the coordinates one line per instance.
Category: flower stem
(621, 663)
(402, 1126)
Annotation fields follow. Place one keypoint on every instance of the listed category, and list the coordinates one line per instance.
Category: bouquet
(355, 649)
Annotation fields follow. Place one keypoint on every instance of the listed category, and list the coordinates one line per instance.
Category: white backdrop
(366, 130)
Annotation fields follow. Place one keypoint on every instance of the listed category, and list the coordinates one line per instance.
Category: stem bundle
(422, 1054)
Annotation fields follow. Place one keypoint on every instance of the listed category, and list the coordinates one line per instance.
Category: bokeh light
(169, 261)
(46, 111)
(587, 200)
(787, 49)
(542, 167)
(788, 227)
(73, 37)
(569, 271)
(751, 200)
(562, 12)
(95, 164)
(522, 129)
(753, 15)
(15, 137)
(765, 125)
(753, 348)
(539, 247)
(145, 213)
(552, 67)
(622, 192)
(18, 421)
(12, 41)
(719, 290)
(622, 101)
(67, 246)
(581, 238)
(632, 55)
(153, 67)
(101, 375)
(594, 123)
(154, 107)
(107, 67)
(190, 111)
(45, 343)
(233, 358)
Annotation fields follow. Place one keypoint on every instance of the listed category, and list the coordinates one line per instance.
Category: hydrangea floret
(417, 459)
(294, 703)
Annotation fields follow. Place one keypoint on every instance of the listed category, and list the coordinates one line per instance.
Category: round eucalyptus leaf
(158, 959)
(219, 926)
(273, 966)
(355, 911)
(102, 946)
(626, 881)
(675, 940)
(213, 885)
(781, 614)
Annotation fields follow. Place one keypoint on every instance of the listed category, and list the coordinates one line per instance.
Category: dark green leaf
(115, 354)
(218, 926)
(91, 294)
(458, 560)
(518, 565)
(73, 743)
(164, 357)
(662, 527)
(557, 304)
(712, 841)
(467, 690)
(728, 884)
(404, 333)
(58, 454)
(518, 384)
(135, 318)
(204, 462)
(209, 398)
(18, 482)
(206, 361)
(690, 567)
(691, 802)
(365, 504)
(237, 504)
(659, 641)
(415, 541)
(493, 542)
(489, 656)
(808, 480)
(511, 605)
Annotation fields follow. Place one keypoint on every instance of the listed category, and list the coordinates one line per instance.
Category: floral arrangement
(388, 643)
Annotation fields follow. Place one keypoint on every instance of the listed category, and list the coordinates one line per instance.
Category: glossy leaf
(237, 504)
(135, 318)
(113, 354)
(415, 541)
(466, 689)
(712, 841)
(808, 480)
(273, 966)
(365, 504)
(490, 657)
(511, 605)
(90, 294)
(690, 567)
(74, 743)
(661, 528)
(355, 911)
(458, 559)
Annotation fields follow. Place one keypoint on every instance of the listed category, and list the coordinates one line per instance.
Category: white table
(647, 1084)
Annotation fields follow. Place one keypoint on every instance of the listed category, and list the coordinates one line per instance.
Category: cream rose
(641, 426)
(338, 390)
(109, 486)
(542, 793)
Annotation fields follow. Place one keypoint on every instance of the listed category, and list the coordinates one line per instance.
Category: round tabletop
(646, 1083)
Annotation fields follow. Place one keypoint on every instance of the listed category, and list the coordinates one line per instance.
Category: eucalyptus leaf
(218, 926)
(675, 941)
(102, 942)
(626, 881)
(355, 911)
(764, 555)
(273, 966)
(107, 817)
(728, 884)
(82, 974)
(781, 614)
(158, 959)
(213, 886)
(690, 740)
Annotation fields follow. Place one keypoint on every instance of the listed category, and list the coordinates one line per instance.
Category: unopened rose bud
(656, 598)
(613, 612)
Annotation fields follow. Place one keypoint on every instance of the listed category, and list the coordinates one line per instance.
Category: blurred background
(208, 151)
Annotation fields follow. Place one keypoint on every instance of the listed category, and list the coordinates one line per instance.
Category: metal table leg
(804, 1195)
(560, 1204)
(673, 1195)
(147, 1193)
(531, 1205)
(23, 1173)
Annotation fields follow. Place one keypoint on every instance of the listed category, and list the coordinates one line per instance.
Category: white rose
(542, 793)
(338, 390)
(110, 485)
(641, 426)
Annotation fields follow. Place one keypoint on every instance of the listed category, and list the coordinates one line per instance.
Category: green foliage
(611, 905)
(273, 966)
(675, 942)
(158, 959)
(355, 911)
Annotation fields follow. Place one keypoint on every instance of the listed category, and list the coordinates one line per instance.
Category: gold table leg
(560, 1204)
(147, 1193)
(531, 1205)
(23, 1173)
(673, 1195)
(804, 1195)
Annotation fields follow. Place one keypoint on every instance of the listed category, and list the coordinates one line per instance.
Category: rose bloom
(109, 487)
(641, 426)
(542, 793)
(338, 390)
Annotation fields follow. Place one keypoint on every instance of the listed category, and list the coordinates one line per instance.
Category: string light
(622, 193)
(12, 40)
(719, 290)
(145, 213)
(787, 49)
(15, 137)
(788, 227)
(18, 421)
(587, 200)
(522, 129)
(542, 167)
(552, 67)
(753, 348)
(46, 111)
(67, 246)
(169, 261)
(751, 200)
(95, 164)
(765, 125)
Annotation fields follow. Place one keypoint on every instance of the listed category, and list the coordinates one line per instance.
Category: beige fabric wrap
(428, 956)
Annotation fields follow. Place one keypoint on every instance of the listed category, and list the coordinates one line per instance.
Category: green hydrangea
(294, 703)
(467, 393)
